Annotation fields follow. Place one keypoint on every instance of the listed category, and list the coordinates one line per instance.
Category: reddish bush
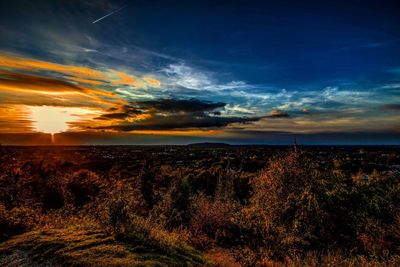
(215, 219)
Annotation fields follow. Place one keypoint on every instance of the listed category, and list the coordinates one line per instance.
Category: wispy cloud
(73, 73)
(187, 77)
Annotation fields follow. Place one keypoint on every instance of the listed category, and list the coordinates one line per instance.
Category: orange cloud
(139, 117)
(152, 81)
(12, 80)
(87, 81)
(17, 82)
(35, 65)
(14, 118)
(126, 79)
(81, 75)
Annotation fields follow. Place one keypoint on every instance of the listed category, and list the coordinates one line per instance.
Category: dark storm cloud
(122, 113)
(391, 107)
(113, 116)
(178, 122)
(177, 105)
(277, 114)
(165, 106)
(168, 114)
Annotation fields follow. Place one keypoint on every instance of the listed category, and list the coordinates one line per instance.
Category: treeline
(292, 211)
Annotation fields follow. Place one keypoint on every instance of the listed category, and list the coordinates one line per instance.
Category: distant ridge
(209, 144)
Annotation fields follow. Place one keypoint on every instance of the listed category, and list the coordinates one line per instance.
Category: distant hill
(208, 144)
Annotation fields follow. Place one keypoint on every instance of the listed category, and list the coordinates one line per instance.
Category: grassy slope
(88, 248)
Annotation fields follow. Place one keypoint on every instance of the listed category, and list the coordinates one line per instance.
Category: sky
(178, 72)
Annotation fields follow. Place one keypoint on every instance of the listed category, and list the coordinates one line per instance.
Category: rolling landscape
(200, 205)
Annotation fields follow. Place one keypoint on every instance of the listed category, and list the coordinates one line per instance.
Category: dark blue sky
(286, 43)
(305, 67)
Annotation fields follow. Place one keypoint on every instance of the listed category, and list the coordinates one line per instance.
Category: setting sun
(48, 119)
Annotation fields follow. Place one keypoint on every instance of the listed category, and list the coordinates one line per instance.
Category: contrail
(115, 11)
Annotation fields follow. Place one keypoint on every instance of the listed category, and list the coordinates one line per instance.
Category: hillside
(182, 206)
(71, 247)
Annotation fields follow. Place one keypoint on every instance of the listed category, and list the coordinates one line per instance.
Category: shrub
(52, 196)
(297, 207)
(285, 207)
(172, 211)
(81, 187)
(123, 202)
(16, 221)
(214, 219)
(145, 235)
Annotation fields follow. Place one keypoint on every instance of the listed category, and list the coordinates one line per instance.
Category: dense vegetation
(294, 211)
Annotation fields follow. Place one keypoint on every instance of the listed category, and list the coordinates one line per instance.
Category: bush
(81, 187)
(286, 208)
(214, 219)
(123, 204)
(172, 211)
(16, 221)
(297, 207)
(145, 235)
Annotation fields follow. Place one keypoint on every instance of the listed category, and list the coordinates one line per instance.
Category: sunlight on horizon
(52, 120)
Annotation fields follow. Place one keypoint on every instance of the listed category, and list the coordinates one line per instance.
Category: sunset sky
(177, 72)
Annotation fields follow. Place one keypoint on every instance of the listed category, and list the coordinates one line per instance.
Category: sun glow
(48, 119)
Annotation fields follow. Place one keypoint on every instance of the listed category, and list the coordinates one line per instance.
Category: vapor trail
(109, 14)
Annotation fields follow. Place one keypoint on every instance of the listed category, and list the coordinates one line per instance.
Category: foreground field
(196, 206)
(72, 247)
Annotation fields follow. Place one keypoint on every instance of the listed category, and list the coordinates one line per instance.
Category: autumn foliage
(293, 210)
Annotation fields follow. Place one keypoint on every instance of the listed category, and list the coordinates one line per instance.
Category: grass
(80, 247)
